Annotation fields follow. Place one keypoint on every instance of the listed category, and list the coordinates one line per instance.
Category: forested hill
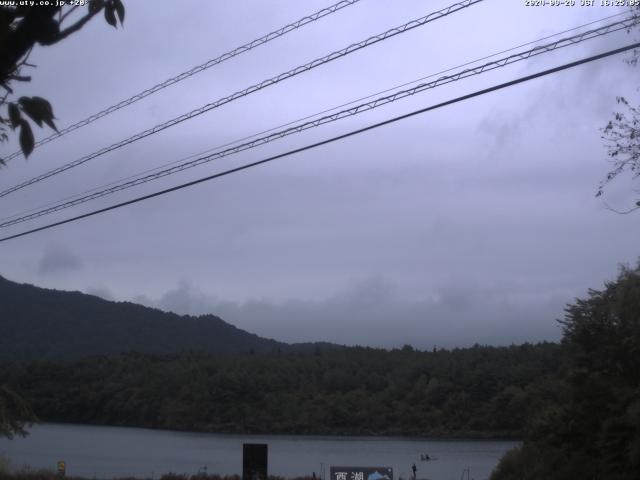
(42, 323)
(478, 391)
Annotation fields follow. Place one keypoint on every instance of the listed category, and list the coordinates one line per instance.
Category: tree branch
(75, 27)
(20, 78)
(69, 12)
(22, 39)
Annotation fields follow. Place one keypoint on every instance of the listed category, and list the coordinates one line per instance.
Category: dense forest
(593, 430)
(477, 392)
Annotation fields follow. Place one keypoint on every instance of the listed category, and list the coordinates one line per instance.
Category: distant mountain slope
(42, 323)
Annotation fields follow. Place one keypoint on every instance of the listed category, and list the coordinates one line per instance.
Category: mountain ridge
(38, 322)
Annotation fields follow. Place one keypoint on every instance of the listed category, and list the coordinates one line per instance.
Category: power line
(292, 122)
(195, 70)
(538, 50)
(139, 174)
(332, 139)
(329, 118)
(254, 88)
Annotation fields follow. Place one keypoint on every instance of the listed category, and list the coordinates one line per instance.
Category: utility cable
(292, 122)
(540, 49)
(254, 88)
(332, 139)
(195, 70)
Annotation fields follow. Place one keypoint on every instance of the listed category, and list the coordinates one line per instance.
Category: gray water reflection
(108, 452)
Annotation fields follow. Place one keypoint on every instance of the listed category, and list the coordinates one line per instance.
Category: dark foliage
(594, 431)
(15, 413)
(474, 392)
(22, 27)
(621, 134)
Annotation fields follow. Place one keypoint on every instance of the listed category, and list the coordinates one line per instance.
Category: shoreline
(457, 436)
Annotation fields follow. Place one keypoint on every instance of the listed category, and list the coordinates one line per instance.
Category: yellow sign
(62, 467)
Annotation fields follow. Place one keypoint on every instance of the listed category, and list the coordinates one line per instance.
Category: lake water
(108, 452)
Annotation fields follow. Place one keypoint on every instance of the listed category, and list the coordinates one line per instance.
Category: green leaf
(119, 10)
(44, 105)
(26, 138)
(95, 5)
(39, 110)
(110, 16)
(14, 115)
(30, 110)
(50, 123)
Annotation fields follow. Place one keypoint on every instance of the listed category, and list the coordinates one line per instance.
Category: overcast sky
(472, 223)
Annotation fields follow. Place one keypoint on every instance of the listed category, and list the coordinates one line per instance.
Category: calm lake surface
(107, 452)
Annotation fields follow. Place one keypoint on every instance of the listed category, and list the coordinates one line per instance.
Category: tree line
(593, 429)
(474, 392)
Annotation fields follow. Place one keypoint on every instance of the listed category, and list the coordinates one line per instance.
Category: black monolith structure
(254, 461)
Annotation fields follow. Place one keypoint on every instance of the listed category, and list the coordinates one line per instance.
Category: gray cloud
(372, 312)
(475, 222)
(57, 259)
